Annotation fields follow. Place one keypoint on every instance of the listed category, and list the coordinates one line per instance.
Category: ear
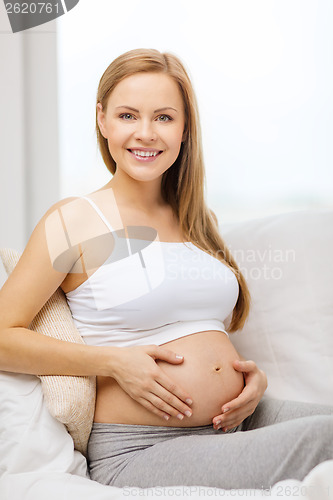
(101, 119)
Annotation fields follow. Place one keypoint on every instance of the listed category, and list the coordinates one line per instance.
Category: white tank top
(152, 292)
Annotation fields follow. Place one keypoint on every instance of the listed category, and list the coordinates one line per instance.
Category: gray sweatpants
(281, 440)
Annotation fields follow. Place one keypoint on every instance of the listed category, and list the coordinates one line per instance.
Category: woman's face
(143, 124)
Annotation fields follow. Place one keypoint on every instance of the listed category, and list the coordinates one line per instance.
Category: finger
(169, 402)
(168, 409)
(221, 422)
(244, 366)
(229, 427)
(234, 403)
(217, 420)
(235, 420)
(153, 409)
(175, 395)
(245, 398)
(167, 355)
(227, 419)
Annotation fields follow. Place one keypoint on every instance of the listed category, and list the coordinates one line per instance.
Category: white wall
(263, 74)
(29, 165)
(242, 136)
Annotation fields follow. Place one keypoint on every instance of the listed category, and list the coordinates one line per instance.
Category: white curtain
(29, 157)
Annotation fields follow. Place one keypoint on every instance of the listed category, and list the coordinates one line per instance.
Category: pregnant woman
(153, 290)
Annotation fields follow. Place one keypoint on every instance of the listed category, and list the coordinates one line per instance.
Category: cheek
(174, 139)
(177, 146)
(115, 145)
(116, 132)
(117, 138)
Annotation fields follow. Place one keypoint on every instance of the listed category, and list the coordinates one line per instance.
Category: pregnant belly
(206, 374)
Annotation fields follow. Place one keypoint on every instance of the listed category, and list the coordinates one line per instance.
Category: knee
(318, 431)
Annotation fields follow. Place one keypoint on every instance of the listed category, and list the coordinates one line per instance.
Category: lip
(150, 150)
(145, 159)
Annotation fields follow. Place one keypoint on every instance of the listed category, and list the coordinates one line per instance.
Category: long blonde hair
(183, 183)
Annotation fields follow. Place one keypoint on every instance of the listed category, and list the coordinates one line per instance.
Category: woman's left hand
(235, 411)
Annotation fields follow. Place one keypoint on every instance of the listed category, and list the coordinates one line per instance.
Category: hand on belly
(206, 374)
(209, 378)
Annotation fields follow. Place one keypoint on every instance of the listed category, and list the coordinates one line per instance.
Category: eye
(126, 116)
(164, 118)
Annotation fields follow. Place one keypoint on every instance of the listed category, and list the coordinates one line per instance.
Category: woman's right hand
(140, 376)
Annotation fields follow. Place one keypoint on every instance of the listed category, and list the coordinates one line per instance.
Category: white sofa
(287, 262)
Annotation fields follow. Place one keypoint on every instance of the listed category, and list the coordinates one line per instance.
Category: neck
(144, 196)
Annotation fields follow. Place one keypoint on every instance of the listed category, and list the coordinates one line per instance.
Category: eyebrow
(156, 110)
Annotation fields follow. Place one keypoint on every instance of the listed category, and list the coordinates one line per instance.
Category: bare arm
(25, 292)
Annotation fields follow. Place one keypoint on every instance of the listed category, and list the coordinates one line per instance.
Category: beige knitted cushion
(71, 400)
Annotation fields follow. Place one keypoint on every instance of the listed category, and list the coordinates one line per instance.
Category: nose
(145, 131)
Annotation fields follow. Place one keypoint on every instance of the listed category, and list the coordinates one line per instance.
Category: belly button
(218, 368)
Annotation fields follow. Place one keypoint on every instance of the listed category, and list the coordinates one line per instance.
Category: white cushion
(288, 333)
(31, 439)
(71, 400)
(287, 260)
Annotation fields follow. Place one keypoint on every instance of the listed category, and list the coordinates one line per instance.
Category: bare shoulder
(69, 230)
(36, 277)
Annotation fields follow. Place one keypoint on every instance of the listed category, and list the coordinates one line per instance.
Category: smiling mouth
(139, 152)
(145, 155)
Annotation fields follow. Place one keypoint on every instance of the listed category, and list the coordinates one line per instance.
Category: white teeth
(144, 153)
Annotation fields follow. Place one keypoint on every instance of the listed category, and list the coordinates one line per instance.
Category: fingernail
(180, 416)
(166, 417)
(218, 422)
(188, 401)
(178, 356)
(225, 410)
(188, 413)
